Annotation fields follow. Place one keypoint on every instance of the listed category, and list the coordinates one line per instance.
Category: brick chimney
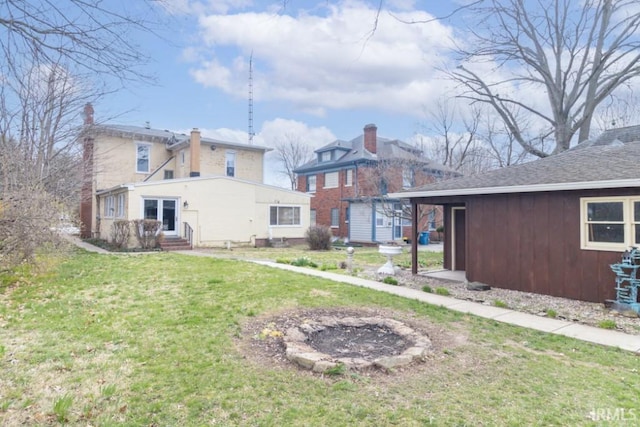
(86, 191)
(194, 148)
(370, 137)
(88, 114)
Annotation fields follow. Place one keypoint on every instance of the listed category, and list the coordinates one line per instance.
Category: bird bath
(389, 251)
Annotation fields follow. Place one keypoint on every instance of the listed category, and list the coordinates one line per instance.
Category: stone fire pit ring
(298, 343)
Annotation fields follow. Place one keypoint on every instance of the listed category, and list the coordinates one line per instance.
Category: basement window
(610, 223)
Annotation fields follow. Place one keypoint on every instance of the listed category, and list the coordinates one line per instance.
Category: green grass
(363, 256)
(154, 340)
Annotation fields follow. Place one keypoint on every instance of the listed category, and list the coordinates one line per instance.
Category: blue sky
(320, 72)
(317, 71)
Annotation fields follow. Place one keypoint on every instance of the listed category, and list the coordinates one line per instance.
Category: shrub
(148, 232)
(427, 289)
(443, 291)
(607, 324)
(120, 232)
(552, 313)
(319, 238)
(304, 262)
(390, 280)
(501, 304)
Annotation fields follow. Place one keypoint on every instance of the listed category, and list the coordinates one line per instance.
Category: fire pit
(355, 343)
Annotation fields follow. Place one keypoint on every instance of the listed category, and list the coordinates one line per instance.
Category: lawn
(162, 339)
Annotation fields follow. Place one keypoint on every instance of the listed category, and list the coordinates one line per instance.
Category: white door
(164, 210)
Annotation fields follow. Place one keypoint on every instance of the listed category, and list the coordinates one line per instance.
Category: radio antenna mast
(251, 133)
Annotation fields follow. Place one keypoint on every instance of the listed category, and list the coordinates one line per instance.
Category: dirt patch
(262, 338)
(367, 342)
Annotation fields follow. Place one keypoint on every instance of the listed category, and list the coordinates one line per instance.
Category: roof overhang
(534, 188)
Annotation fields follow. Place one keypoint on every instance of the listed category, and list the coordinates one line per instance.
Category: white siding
(360, 222)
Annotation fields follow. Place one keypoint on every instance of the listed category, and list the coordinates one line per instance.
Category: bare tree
(292, 153)
(88, 35)
(577, 53)
(58, 55)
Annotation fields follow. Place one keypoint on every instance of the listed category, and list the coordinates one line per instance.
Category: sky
(321, 70)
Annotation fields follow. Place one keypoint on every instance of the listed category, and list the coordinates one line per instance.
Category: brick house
(350, 179)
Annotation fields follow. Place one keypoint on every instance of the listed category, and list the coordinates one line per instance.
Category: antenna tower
(251, 133)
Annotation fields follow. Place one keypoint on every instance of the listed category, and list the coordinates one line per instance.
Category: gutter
(534, 188)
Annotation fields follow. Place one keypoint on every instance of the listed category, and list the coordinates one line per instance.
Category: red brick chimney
(88, 114)
(194, 148)
(370, 137)
(86, 191)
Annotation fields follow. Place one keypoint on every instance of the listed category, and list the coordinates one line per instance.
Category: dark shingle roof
(606, 162)
(354, 152)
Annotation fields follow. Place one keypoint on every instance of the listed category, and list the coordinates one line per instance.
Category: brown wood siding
(531, 242)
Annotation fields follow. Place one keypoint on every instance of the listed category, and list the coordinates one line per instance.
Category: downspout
(414, 240)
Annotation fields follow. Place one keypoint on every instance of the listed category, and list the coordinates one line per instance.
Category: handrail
(188, 233)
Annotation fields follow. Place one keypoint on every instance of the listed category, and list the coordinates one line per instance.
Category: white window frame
(627, 221)
(348, 177)
(278, 208)
(331, 179)
(140, 145)
(325, 156)
(230, 159)
(311, 188)
(109, 207)
(408, 178)
(312, 217)
(120, 205)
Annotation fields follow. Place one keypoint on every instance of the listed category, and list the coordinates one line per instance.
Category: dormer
(332, 152)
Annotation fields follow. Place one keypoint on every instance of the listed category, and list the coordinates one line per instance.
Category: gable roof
(173, 140)
(353, 152)
(606, 162)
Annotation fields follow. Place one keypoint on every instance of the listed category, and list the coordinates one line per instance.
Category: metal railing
(188, 233)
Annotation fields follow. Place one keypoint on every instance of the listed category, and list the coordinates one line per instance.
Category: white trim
(133, 186)
(148, 145)
(562, 186)
(292, 206)
(627, 221)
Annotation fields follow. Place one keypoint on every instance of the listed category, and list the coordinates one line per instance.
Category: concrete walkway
(526, 320)
(538, 323)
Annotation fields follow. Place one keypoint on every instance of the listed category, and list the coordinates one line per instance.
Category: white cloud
(327, 58)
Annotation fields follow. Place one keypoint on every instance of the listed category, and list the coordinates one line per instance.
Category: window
(313, 217)
(431, 220)
(346, 215)
(142, 158)
(348, 177)
(168, 174)
(408, 178)
(231, 163)
(182, 157)
(284, 215)
(610, 223)
(331, 179)
(326, 156)
(120, 206)
(335, 217)
(109, 206)
(383, 187)
(311, 184)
